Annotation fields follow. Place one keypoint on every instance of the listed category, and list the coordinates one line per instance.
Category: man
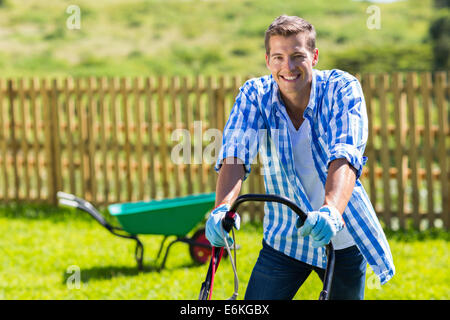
(314, 126)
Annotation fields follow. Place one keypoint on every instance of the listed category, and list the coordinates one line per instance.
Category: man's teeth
(290, 78)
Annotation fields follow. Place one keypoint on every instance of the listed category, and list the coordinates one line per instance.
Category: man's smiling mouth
(290, 78)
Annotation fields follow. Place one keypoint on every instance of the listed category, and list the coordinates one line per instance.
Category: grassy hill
(126, 37)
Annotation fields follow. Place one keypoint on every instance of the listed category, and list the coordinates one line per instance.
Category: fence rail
(120, 139)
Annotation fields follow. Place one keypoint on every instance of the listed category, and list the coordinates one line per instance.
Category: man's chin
(290, 87)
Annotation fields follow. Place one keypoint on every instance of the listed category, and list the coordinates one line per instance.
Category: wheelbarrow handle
(70, 200)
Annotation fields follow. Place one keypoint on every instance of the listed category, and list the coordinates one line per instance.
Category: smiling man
(315, 126)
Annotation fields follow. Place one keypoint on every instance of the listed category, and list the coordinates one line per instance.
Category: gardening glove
(214, 226)
(321, 225)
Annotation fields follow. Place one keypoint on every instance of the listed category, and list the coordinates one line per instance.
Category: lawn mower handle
(228, 223)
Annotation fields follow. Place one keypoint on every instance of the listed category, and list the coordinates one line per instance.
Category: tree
(440, 36)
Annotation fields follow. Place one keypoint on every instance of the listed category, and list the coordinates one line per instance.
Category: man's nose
(290, 64)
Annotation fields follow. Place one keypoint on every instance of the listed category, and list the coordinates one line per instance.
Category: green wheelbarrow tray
(176, 216)
(167, 217)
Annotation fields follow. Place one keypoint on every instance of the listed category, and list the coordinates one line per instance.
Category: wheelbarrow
(167, 217)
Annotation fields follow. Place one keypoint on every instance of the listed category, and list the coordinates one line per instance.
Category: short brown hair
(288, 25)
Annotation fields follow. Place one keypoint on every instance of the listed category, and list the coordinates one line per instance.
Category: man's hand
(214, 229)
(322, 225)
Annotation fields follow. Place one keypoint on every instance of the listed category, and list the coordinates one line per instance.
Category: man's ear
(315, 57)
(267, 61)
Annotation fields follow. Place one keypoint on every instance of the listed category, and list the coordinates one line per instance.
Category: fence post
(400, 134)
(91, 150)
(220, 103)
(163, 135)
(367, 89)
(113, 112)
(187, 109)
(12, 127)
(411, 84)
(150, 132)
(138, 116)
(443, 158)
(3, 145)
(198, 140)
(56, 142)
(70, 114)
(36, 147)
(103, 133)
(385, 157)
(428, 152)
(212, 112)
(23, 136)
(48, 127)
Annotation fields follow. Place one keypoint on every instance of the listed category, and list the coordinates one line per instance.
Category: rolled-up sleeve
(348, 126)
(240, 135)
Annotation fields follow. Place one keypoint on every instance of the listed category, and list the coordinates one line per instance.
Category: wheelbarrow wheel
(200, 254)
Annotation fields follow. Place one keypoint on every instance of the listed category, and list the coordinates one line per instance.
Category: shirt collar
(277, 102)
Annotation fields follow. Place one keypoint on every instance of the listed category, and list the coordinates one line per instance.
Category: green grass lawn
(39, 248)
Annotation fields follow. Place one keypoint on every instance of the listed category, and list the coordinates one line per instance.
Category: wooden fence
(120, 139)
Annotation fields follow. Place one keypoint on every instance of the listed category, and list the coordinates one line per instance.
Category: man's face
(291, 63)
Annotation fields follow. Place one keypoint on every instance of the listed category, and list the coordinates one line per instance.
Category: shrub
(388, 58)
(440, 36)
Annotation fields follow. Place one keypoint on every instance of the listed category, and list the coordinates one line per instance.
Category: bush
(440, 35)
(389, 58)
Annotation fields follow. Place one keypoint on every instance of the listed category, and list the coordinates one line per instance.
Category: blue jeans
(277, 276)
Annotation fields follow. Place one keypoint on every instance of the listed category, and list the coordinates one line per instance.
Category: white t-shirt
(304, 164)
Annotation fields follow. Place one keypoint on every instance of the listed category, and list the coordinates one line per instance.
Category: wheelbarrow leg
(167, 251)
(161, 247)
(139, 253)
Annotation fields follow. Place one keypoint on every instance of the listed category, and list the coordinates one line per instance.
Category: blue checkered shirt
(337, 115)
